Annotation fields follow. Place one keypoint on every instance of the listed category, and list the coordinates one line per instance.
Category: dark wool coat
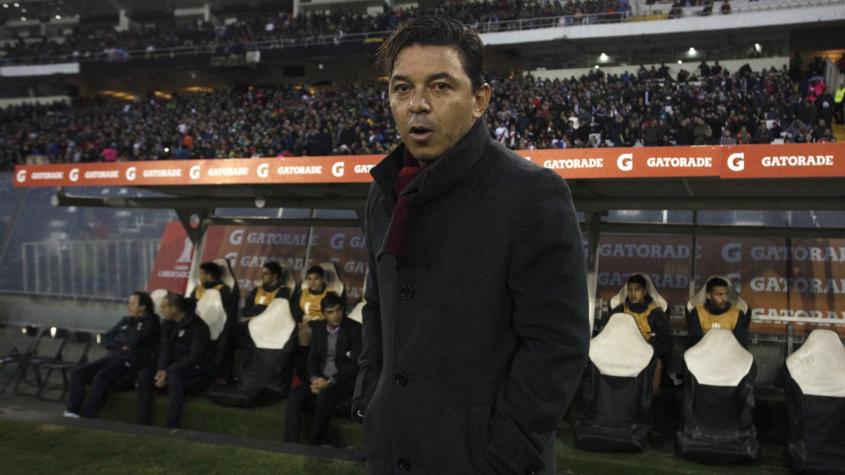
(475, 343)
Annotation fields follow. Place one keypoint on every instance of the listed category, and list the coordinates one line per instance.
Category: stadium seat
(211, 309)
(17, 357)
(287, 277)
(815, 404)
(617, 392)
(357, 313)
(229, 280)
(85, 340)
(718, 408)
(157, 295)
(42, 355)
(270, 333)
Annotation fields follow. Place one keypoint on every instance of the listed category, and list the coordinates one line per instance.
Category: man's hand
(125, 349)
(160, 378)
(319, 384)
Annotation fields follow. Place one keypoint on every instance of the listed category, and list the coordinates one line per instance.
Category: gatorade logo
(337, 169)
(131, 173)
(21, 177)
(194, 172)
(74, 175)
(263, 170)
(625, 162)
(736, 162)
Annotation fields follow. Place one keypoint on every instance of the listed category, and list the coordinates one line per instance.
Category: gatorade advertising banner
(745, 161)
(173, 261)
(249, 247)
(798, 281)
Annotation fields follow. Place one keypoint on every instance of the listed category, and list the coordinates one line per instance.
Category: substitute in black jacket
(183, 360)
(332, 368)
(475, 327)
(131, 346)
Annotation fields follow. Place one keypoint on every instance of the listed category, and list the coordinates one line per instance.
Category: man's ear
(481, 100)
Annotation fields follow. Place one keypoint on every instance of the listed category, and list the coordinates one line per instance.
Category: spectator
(726, 7)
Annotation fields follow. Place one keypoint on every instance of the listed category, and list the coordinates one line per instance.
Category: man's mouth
(420, 133)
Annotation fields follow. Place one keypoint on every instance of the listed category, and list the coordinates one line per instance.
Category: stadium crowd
(648, 107)
(284, 28)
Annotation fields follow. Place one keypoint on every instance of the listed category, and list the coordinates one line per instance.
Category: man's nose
(419, 101)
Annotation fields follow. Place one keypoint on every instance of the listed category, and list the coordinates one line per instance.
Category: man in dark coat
(131, 346)
(183, 361)
(475, 327)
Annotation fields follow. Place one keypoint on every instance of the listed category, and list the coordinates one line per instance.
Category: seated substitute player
(652, 322)
(718, 311)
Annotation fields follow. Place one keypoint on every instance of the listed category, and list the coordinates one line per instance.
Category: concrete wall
(75, 314)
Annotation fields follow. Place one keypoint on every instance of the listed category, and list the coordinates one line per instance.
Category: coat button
(406, 292)
(531, 469)
(404, 464)
(401, 379)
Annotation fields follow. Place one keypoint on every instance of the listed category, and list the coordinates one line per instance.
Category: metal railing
(96, 268)
(521, 24)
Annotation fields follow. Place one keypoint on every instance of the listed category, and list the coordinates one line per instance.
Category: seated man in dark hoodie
(131, 346)
(651, 320)
(183, 361)
(717, 312)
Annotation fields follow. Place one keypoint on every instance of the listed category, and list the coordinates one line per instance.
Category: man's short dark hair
(436, 30)
(331, 299)
(274, 268)
(716, 282)
(145, 301)
(212, 269)
(316, 270)
(637, 279)
(177, 301)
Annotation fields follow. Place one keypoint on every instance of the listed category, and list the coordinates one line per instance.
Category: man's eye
(401, 88)
(441, 86)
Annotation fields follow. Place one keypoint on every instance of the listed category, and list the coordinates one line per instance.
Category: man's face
(718, 297)
(314, 282)
(636, 292)
(432, 100)
(134, 308)
(204, 277)
(267, 277)
(168, 311)
(333, 315)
